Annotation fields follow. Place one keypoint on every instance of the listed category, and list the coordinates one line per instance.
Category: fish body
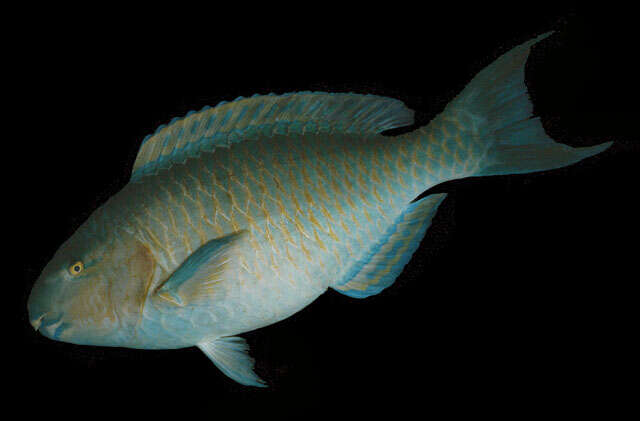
(239, 216)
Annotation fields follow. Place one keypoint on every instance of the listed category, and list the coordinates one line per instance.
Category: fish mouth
(37, 322)
(49, 327)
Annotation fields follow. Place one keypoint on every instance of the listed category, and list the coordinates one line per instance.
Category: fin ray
(231, 122)
(198, 274)
(515, 142)
(393, 251)
(231, 356)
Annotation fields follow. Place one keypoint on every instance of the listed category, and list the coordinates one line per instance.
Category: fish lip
(50, 327)
(61, 328)
(37, 322)
(52, 321)
(55, 329)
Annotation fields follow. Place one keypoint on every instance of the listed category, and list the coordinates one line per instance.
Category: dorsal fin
(302, 112)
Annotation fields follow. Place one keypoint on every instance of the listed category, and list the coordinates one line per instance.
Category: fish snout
(37, 309)
(42, 306)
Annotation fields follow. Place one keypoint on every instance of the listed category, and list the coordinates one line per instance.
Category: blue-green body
(240, 215)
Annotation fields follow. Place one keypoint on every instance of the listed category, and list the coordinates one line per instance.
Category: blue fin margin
(382, 265)
(266, 115)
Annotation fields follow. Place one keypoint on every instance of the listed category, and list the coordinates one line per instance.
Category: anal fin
(387, 258)
(231, 356)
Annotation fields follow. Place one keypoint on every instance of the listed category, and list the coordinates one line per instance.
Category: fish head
(93, 290)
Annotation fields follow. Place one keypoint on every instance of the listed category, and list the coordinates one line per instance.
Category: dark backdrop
(519, 298)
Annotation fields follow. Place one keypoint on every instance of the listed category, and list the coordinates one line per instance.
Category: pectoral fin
(231, 355)
(201, 271)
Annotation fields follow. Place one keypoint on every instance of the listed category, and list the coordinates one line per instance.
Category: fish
(240, 215)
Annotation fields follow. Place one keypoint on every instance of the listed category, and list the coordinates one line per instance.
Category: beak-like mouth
(51, 327)
(37, 321)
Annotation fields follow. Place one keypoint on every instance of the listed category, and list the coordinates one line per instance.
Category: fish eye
(76, 268)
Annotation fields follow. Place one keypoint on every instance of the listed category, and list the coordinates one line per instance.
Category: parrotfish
(240, 215)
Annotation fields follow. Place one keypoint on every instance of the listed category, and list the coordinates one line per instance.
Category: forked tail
(486, 130)
(507, 139)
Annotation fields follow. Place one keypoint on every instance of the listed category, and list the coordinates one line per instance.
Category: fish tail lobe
(494, 127)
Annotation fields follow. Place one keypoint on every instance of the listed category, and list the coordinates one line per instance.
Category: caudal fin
(497, 102)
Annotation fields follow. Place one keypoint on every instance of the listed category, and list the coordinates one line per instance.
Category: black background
(519, 299)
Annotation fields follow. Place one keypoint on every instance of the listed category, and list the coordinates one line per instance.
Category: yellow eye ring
(76, 268)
